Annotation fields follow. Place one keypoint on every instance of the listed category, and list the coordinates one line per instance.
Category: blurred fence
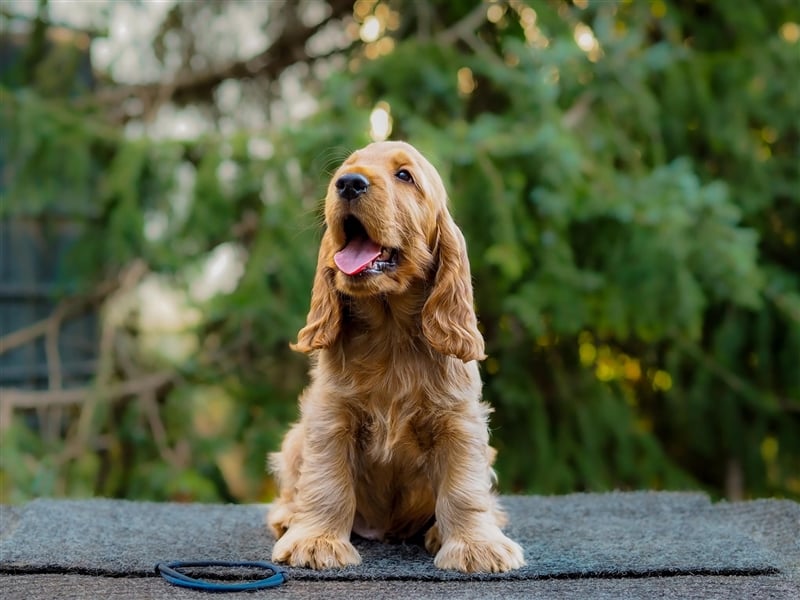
(42, 342)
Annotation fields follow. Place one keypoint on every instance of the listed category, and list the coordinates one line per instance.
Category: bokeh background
(626, 174)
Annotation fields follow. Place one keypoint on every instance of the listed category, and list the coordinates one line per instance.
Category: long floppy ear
(448, 316)
(325, 315)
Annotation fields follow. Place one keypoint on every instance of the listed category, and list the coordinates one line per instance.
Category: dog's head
(387, 227)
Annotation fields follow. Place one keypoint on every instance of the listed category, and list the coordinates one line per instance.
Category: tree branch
(286, 50)
(578, 111)
(71, 307)
(465, 27)
(15, 398)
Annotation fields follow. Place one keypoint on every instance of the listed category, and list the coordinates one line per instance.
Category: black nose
(351, 185)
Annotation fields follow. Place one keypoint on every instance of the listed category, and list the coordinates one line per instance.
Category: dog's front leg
(467, 517)
(319, 534)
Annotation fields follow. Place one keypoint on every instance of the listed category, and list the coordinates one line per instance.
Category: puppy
(392, 436)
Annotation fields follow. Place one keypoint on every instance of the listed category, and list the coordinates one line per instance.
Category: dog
(393, 437)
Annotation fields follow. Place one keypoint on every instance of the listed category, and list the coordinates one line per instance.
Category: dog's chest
(398, 432)
(388, 366)
(398, 392)
(394, 405)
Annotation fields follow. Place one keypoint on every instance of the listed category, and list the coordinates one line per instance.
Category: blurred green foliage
(626, 176)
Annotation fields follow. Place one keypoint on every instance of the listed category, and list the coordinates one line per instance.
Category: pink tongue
(357, 256)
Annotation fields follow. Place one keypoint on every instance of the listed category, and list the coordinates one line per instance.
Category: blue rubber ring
(170, 572)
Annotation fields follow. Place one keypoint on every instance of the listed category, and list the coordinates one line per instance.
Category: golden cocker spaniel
(392, 436)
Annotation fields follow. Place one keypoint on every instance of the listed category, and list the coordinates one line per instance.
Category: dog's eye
(404, 175)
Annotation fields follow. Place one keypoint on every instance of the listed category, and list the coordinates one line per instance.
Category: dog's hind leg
(285, 466)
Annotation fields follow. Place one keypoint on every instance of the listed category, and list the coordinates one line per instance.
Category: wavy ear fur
(448, 316)
(324, 320)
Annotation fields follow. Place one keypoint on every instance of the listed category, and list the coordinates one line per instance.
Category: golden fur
(392, 432)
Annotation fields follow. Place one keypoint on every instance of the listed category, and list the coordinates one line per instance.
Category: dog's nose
(351, 185)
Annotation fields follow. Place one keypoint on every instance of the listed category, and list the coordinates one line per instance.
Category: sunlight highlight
(584, 37)
(790, 32)
(370, 30)
(466, 81)
(527, 20)
(380, 121)
(495, 12)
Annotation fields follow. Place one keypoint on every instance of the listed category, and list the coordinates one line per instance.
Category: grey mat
(724, 587)
(583, 535)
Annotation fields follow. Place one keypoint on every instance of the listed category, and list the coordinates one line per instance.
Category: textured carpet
(613, 535)
(716, 587)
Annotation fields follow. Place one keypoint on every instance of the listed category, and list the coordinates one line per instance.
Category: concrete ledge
(638, 544)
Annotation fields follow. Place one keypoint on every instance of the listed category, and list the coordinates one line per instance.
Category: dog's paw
(433, 539)
(494, 555)
(321, 552)
(279, 518)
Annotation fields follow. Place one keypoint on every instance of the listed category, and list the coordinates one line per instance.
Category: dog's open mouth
(361, 255)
